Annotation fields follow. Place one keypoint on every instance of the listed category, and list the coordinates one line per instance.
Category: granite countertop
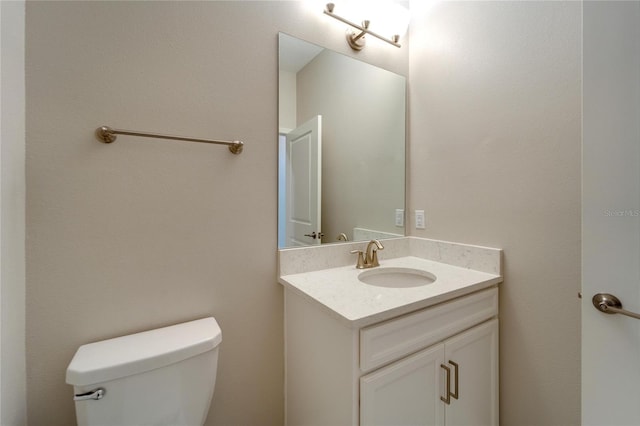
(356, 304)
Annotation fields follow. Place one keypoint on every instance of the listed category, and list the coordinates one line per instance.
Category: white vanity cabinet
(393, 372)
(413, 390)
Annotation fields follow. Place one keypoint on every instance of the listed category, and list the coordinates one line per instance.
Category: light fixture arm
(353, 39)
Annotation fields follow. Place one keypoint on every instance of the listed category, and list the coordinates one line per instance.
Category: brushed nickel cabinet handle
(447, 391)
(455, 382)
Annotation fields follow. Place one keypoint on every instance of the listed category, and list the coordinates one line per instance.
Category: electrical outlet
(420, 222)
(399, 217)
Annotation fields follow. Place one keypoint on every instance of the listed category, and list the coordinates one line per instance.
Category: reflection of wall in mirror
(286, 101)
(363, 141)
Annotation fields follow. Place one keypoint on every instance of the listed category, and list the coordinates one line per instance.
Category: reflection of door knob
(609, 304)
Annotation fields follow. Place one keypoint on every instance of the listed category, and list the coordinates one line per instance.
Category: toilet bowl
(162, 377)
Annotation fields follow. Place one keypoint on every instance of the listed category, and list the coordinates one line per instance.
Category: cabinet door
(476, 354)
(406, 392)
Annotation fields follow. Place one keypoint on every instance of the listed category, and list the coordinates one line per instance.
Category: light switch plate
(399, 217)
(420, 219)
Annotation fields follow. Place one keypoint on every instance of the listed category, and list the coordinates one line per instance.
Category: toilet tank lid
(136, 353)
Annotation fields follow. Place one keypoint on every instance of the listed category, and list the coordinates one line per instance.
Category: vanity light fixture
(356, 38)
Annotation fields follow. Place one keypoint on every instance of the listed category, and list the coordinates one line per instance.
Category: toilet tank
(159, 377)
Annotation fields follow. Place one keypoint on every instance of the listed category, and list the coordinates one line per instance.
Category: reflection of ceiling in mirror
(295, 54)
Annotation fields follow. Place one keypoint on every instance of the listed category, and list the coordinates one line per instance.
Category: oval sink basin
(396, 277)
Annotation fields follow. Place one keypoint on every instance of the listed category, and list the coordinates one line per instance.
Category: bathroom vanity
(361, 354)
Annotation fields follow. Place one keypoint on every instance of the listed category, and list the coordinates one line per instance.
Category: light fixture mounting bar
(329, 11)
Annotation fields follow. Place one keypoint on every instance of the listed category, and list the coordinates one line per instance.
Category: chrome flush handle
(95, 394)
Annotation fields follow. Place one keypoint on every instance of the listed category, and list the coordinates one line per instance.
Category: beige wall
(12, 227)
(495, 160)
(145, 233)
(363, 140)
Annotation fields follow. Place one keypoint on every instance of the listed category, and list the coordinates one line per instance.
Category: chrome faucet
(369, 257)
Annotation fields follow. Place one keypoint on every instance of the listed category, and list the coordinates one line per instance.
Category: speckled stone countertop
(337, 290)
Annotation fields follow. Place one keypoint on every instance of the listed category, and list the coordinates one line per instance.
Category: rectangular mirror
(341, 161)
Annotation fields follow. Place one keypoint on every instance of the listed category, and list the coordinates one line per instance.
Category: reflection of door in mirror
(303, 181)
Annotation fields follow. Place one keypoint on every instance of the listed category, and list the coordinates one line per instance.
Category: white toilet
(159, 377)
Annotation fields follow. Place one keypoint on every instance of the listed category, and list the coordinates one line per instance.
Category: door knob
(314, 235)
(609, 304)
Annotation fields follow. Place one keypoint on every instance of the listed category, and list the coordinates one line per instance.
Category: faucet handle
(374, 258)
(360, 263)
